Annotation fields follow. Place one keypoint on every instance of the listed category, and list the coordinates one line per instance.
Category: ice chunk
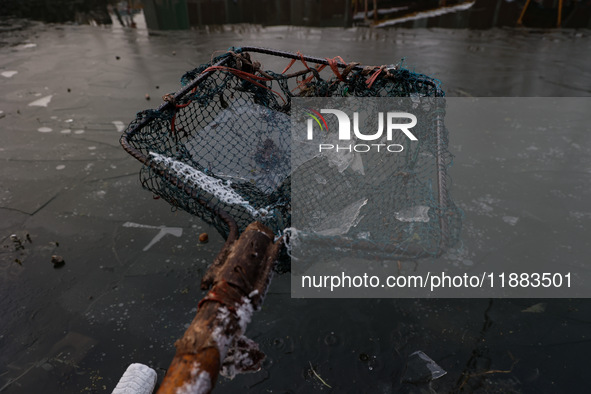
(342, 158)
(26, 45)
(320, 179)
(340, 223)
(9, 74)
(258, 139)
(365, 235)
(176, 231)
(511, 220)
(420, 368)
(119, 125)
(417, 213)
(42, 102)
(536, 308)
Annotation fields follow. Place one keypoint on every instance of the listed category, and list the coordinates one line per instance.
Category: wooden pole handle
(239, 278)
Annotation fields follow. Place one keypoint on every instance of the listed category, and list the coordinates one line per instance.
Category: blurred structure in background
(186, 14)
(168, 14)
(476, 14)
(58, 11)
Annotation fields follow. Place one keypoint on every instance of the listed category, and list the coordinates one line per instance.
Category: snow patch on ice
(119, 125)
(42, 102)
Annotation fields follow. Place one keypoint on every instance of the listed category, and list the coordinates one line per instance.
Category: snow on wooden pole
(215, 340)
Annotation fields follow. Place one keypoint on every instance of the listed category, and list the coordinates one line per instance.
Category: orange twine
(373, 78)
(240, 74)
(335, 68)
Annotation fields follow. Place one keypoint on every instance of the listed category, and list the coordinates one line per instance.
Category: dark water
(66, 182)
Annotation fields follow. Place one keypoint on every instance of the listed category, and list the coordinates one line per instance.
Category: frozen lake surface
(130, 283)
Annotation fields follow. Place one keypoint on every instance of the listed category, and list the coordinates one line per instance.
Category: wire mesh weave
(222, 143)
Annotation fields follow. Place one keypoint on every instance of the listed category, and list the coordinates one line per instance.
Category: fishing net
(223, 143)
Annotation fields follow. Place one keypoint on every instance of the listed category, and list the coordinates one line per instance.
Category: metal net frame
(218, 147)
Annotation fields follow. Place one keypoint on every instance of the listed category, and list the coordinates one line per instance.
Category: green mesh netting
(370, 201)
(223, 142)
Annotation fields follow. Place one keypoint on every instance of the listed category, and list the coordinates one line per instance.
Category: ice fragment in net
(341, 222)
(417, 213)
(245, 143)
